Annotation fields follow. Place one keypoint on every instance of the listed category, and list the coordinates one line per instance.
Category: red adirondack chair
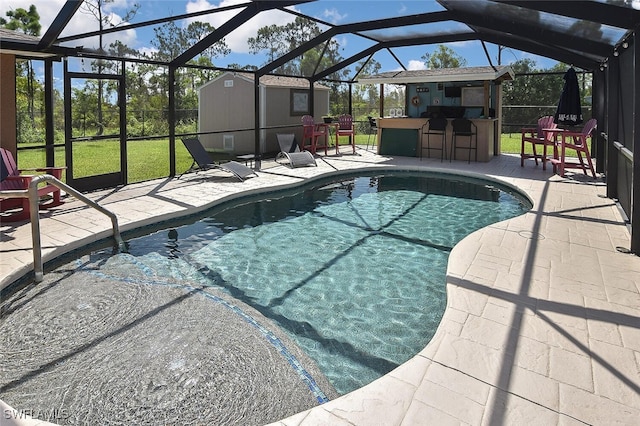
(345, 128)
(578, 142)
(538, 138)
(16, 181)
(312, 132)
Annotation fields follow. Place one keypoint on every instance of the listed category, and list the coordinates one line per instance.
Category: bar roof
(501, 73)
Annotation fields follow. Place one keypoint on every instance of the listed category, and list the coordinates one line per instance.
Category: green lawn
(149, 159)
(510, 143)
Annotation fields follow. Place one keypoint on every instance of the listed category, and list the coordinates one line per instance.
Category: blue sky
(332, 11)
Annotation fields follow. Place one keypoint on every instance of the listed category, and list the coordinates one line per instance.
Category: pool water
(352, 270)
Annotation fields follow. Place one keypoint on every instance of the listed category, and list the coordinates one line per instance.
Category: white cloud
(342, 41)
(119, 5)
(237, 40)
(463, 44)
(333, 16)
(415, 64)
(149, 51)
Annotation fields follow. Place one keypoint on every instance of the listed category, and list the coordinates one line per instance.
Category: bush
(30, 133)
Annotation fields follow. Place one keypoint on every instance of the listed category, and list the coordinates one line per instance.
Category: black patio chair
(434, 127)
(373, 130)
(464, 128)
(202, 161)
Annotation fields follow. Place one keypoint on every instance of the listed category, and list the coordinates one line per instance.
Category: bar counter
(401, 136)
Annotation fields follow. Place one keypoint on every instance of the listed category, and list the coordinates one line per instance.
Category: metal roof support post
(611, 72)
(599, 105)
(68, 131)
(635, 134)
(381, 112)
(351, 99)
(48, 112)
(312, 101)
(172, 120)
(258, 124)
(122, 101)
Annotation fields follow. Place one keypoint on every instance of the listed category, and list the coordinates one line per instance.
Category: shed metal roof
(270, 80)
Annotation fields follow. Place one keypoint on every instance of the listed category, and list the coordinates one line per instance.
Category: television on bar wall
(453, 91)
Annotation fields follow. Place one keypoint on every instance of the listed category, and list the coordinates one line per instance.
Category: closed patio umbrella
(569, 111)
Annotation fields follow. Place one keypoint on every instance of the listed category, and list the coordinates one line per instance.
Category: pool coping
(518, 323)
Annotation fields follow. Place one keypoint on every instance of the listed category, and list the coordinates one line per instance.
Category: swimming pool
(352, 270)
(370, 251)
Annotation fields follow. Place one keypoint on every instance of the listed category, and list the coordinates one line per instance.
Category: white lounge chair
(290, 151)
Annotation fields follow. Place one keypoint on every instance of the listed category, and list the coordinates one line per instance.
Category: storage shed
(226, 113)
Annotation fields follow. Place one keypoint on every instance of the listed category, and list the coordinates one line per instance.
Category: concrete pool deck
(542, 324)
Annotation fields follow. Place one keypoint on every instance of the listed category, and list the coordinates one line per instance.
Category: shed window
(299, 102)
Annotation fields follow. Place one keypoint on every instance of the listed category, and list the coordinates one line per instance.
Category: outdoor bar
(473, 93)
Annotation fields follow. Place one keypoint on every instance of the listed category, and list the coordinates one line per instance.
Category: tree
(535, 92)
(443, 57)
(27, 22)
(366, 97)
(278, 40)
(237, 66)
(121, 50)
(95, 8)
(171, 41)
(270, 39)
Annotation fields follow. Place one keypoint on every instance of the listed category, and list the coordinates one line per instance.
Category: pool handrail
(32, 194)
